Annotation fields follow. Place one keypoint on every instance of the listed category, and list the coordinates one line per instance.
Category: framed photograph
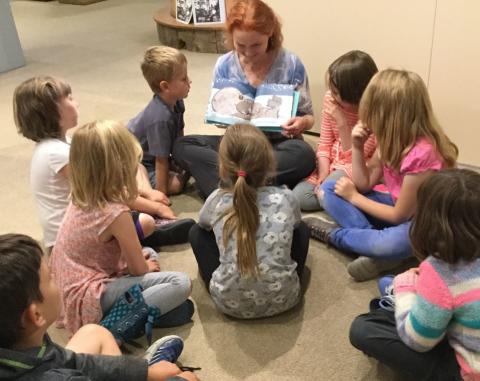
(208, 11)
(184, 11)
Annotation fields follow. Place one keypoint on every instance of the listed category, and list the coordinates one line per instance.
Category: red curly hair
(254, 15)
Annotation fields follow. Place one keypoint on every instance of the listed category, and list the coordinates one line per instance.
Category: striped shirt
(443, 300)
(330, 145)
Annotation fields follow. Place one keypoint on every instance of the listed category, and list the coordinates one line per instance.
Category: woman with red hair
(253, 32)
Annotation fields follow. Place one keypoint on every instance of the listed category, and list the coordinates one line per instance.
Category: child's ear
(163, 86)
(33, 316)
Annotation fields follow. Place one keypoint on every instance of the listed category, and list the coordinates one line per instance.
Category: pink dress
(81, 264)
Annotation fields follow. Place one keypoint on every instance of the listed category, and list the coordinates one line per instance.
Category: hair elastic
(241, 173)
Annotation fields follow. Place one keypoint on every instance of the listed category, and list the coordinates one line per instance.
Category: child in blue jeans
(411, 146)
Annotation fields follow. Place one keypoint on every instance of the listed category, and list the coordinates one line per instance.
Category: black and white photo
(209, 11)
(184, 11)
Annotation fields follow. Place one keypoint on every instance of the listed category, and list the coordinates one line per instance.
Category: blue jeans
(363, 234)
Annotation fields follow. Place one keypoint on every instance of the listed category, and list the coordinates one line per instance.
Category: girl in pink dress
(97, 256)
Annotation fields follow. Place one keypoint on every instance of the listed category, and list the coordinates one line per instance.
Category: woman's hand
(360, 134)
(297, 125)
(345, 188)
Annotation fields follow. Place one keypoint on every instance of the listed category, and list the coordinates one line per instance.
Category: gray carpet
(97, 49)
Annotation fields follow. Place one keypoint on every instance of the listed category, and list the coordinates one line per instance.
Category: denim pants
(306, 196)
(362, 234)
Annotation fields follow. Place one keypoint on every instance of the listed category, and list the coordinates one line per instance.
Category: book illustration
(270, 110)
(209, 11)
(268, 106)
(184, 11)
(230, 101)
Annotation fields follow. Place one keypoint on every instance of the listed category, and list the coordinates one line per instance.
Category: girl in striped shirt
(434, 333)
(396, 108)
(347, 77)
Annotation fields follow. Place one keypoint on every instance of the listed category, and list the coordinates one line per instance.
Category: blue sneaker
(168, 348)
(385, 285)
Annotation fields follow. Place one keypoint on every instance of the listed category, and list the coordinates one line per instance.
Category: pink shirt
(421, 158)
(81, 264)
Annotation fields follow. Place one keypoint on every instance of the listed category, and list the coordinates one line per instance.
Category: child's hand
(165, 212)
(345, 188)
(153, 265)
(162, 370)
(156, 195)
(360, 134)
(334, 111)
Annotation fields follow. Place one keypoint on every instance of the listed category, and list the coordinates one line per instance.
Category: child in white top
(44, 111)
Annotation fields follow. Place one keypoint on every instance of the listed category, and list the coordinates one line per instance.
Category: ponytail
(244, 218)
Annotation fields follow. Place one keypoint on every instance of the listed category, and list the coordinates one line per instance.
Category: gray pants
(306, 196)
(165, 289)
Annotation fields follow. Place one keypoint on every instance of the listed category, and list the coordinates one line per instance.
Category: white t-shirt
(51, 189)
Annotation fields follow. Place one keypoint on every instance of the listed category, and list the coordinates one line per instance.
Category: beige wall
(438, 39)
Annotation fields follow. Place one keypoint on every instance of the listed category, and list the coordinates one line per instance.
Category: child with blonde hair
(250, 243)
(434, 331)
(44, 110)
(98, 256)
(396, 108)
(346, 77)
(161, 122)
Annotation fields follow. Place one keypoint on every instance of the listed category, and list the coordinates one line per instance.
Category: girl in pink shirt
(396, 108)
(347, 77)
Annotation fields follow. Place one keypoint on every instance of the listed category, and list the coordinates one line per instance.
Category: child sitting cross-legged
(250, 242)
(433, 330)
(160, 123)
(28, 354)
(97, 256)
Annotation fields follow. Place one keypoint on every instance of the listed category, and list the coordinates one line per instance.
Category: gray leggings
(306, 196)
(165, 289)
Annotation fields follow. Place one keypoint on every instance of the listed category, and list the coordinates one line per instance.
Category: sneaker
(366, 268)
(160, 222)
(385, 285)
(320, 228)
(168, 348)
(171, 233)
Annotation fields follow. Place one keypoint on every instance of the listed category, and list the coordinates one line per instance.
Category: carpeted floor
(97, 49)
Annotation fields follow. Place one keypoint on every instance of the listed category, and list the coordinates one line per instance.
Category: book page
(273, 105)
(230, 102)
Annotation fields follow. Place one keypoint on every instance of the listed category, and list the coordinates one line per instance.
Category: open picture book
(268, 106)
